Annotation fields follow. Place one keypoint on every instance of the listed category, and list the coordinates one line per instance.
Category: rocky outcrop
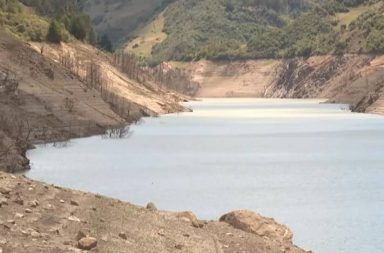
(251, 222)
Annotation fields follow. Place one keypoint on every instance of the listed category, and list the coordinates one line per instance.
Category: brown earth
(357, 80)
(49, 102)
(230, 79)
(38, 218)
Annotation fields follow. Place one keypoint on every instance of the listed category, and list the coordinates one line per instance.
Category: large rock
(189, 217)
(4, 190)
(87, 243)
(151, 206)
(3, 201)
(184, 216)
(254, 223)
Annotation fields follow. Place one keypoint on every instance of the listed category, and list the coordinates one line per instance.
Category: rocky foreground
(37, 217)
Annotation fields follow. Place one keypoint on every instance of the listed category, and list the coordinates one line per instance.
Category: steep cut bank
(357, 80)
(46, 96)
(37, 217)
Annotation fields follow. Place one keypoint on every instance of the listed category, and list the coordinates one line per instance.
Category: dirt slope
(230, 79)
(354, 79)
(153, 102)
(50, 102)
(36, 217)
(39, 101)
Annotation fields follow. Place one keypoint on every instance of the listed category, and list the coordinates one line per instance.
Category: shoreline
(39, 217)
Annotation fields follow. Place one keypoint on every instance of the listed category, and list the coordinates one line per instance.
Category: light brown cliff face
(354, 79)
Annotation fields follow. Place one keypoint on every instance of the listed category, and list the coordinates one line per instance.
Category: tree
(105, 43)
(92, 37)
(55, 32)
(79, 28)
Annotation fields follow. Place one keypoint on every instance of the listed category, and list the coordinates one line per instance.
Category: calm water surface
(316, 167)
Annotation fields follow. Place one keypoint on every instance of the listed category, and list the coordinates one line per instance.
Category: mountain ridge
(234, 30)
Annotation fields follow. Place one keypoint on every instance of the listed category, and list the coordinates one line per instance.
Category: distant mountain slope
(118, 18)
(224, 29)
(249, 29)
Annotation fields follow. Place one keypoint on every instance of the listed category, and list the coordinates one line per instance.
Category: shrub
(78, 28)
(105, 43)
(55, 32)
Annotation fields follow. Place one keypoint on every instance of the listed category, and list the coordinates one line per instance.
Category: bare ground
(37, 217)
(357, 80)
(52, 103)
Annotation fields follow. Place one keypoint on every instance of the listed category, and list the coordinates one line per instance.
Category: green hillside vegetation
(249, 29)
(16, 19)
(120, 18)
(147, 37)
(39, 20)
(368, 28)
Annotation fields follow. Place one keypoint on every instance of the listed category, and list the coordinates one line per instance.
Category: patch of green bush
(56, 32)
(241, 29)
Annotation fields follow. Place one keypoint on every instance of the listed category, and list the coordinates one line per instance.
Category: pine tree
(55, 32)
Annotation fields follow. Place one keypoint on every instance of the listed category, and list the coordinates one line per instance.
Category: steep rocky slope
(43, 99)
(37, 217)
(357, 80)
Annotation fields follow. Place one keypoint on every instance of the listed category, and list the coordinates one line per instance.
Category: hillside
(229, 30)
(52, 91)
(357, 80)
(118, 18)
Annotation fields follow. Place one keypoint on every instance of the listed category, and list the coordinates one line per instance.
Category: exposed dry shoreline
(43, 101)
(37, 217)
(357, 80)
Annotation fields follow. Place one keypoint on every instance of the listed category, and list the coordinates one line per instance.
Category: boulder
(5, 191)
(19, 200)
(3, 201)
(34, 203)
(19, 215)
(151, 206)
(74, 218)
(13, 222)
(254, 223)
(189, 217)
(80, 235)
(87, 243)
(74, 203)
(123, 235)
(35, 234)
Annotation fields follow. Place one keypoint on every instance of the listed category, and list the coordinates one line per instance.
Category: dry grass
(147, 37)
(353, 14)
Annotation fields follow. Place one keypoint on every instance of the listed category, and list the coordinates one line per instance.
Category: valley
(200, 105)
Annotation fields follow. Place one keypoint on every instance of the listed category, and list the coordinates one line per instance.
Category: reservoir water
(316, 167)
